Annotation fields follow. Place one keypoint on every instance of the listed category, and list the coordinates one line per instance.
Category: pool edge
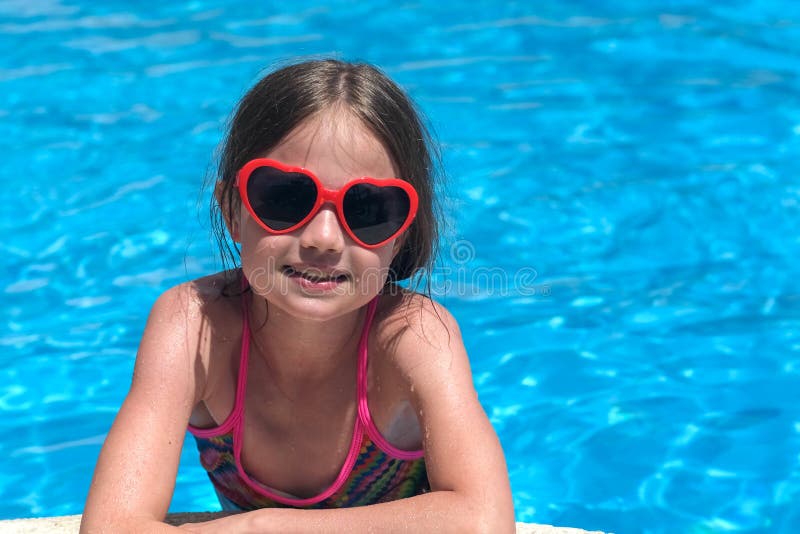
(71, 523)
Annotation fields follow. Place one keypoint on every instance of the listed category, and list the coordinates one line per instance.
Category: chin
(315, 308)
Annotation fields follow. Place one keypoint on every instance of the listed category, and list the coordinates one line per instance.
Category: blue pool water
(627, 170)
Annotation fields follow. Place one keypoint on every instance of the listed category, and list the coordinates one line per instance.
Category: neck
(300, 354)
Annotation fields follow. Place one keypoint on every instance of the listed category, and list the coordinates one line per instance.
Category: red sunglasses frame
(335, 197)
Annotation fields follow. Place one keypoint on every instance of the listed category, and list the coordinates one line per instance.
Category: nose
(323, 232)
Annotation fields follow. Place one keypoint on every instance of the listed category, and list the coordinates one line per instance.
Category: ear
(230, 206)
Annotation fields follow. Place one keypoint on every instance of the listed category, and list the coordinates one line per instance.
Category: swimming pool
(624, 209)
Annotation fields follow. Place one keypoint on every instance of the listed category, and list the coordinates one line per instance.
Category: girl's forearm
(439, 511)
(119, 525)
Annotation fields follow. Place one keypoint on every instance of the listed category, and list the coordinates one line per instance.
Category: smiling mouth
(313, 275)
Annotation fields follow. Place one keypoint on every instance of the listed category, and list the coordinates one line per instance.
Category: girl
(321, 395)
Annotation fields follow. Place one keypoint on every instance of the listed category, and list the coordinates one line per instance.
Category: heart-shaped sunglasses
(282, 198)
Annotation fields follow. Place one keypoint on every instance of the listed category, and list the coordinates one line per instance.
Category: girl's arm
(464, 460)
(135, 474)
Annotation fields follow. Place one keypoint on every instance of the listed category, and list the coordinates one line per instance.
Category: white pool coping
(71, 524)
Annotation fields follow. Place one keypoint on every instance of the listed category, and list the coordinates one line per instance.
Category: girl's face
(317, 271)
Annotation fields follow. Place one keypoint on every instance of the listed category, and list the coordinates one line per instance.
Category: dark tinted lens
(280, 199)
(375, 213)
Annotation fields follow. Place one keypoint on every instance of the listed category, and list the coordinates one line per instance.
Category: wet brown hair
(283, 99)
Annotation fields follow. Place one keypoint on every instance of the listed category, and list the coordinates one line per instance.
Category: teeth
(310, 276)
(315, 278)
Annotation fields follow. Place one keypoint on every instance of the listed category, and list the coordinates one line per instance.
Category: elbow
(493, 521)
(488, 515)
(496, 512)
(93, 522)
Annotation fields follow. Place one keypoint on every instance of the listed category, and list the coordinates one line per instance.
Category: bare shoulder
(188, 321)
(415, 331)
(195, 296)
(197, 302)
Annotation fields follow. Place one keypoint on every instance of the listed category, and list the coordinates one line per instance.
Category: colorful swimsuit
(374, 471)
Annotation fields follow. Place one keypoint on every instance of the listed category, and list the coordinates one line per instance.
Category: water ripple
(100, 22)
(102, 44)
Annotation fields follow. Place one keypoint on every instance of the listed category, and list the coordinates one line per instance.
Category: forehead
(335, 146)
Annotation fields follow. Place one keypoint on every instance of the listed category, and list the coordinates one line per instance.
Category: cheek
(252, 234)
(263, 255)
(374, 267)
(257, 245)
(381, 256)
(387, 254)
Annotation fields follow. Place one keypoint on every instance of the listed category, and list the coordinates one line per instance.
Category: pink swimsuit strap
(237, 412)
(363, 407)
